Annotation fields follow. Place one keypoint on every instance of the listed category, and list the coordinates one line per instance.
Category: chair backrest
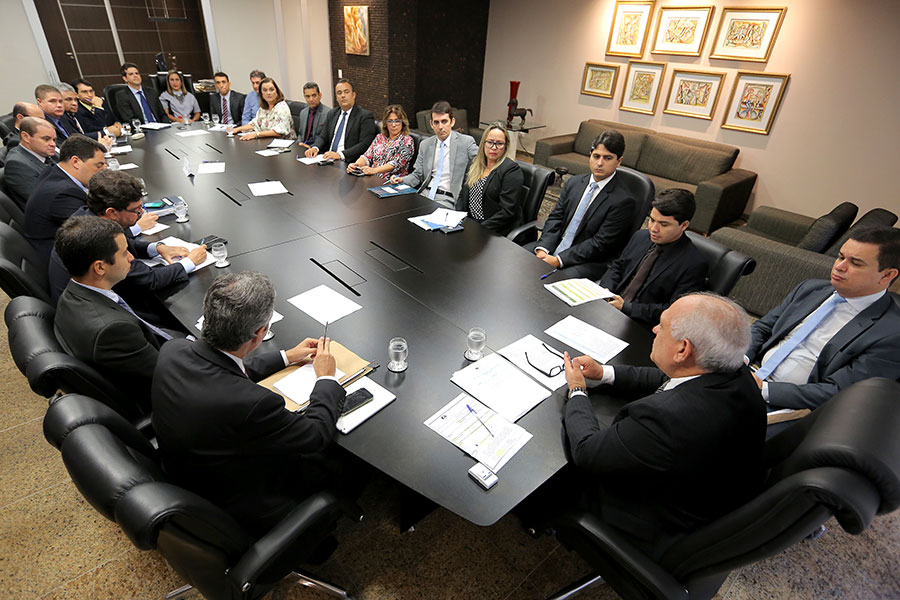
(417, 141)
(22, 271)
(159, 83)
(11, 214)
(643, 190)
(3, 152)
(726, 266)
(109, 93)
(877, 217)
(537, 180)
(7, 124)
(296, 107)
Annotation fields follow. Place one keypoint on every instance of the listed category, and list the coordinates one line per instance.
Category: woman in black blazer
(492, 193)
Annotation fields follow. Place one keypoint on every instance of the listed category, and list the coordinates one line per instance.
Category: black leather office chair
(160, 84)
(295, 108)
(417, 138)
(3, 152)
(7, 124)
(22, 271)
(118, 473)
(726, 266)
(642, 189)
(109, 93)
(537, 180)
(843, 461)
(11, 214)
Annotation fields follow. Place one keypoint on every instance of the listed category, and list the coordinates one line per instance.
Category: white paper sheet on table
(192, 133)
(578, 291)
(174, 241)
(594, 342)
(155, 125)
(213, 166)
(380, 398)
(268, 152)
(298, 385)
(501, 386)
(219, 127)
(267, 188)
(276, 316)
(538, 355)
(155, 229)
(324, 304)
(127, 166)
(491, 441)
(311, 161)
(124, 149)
(277, 143)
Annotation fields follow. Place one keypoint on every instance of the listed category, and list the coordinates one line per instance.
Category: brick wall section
(369, 74)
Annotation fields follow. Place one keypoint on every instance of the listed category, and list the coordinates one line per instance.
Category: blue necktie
(337, 134)
(438, 173)
(152, 327)
(60, 128)
(145, 106)
(572, 229)
(799, 336)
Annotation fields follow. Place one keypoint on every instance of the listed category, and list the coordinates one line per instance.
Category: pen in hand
(325, 335)
(471, 410)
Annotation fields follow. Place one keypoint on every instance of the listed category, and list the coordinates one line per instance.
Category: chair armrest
(522, 230)
(547, 147)
(722, 199)
(783, 225)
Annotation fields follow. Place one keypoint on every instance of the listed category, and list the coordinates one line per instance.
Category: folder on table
(387, 191)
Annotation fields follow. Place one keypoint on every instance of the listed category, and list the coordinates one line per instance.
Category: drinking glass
(476, 341)
(112, 164)
(181, 211)
(205, 118)
(216, 119)
(135, 125)
(143, 186)
(126, 129)
(220, 253)
(398, 350)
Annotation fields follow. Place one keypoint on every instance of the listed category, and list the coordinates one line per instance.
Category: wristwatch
(577, 390)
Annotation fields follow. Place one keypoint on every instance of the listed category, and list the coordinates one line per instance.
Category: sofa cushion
(661, 183)
(827, 228)
(877, 217)
(674, 160)
(634, 138)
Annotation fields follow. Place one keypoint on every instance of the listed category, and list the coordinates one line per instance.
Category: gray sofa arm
(779, 268)
(781, 225)
(722, 199)
(547, 147)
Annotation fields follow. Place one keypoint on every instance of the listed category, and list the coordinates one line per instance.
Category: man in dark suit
(49, 99)
(827, 335)
(61, 190)
(223, 436)
(660, 263)
(226, 103)
(689, 448)
(348, 129)
(136, 102)
(90, 113)
(590, 223)
(92, 322)
(313, 116)
(27, 161)
(20, 111)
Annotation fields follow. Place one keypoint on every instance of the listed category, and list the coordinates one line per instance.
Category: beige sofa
(702, 167)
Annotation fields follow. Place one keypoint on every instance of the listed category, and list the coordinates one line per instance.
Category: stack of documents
(174, 241)
(478, 431)
(441, 217)
(594, 342)
(578, 291)
(530, 350)
(501, 386)
(324, 304)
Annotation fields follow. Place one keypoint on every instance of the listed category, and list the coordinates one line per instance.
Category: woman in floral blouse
(273, 119)
(391, 150)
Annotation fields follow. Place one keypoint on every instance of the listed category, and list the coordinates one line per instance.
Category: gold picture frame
(682, 30)
(599, 79)
(694, 93)
(629, 29)
(754, 102)
(747, 33)
(643, 80)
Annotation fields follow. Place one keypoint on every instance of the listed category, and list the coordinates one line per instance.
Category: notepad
(594, 342)
(155, 229)
(267, 188)
(278, 143)
(575, 292)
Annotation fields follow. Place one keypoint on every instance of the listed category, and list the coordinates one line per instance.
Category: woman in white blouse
(273, 119)
(180, 105)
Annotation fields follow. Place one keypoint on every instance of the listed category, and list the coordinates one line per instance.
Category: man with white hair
(690, 447)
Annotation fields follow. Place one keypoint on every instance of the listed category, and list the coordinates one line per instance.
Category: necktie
(663, 385)
(572, 229)
(309, 125)
(438, 173)
(640, 276)
(60, 128)
(799, 336)
(145, 106)
(225, 115)
(152, 327)
(337, 134)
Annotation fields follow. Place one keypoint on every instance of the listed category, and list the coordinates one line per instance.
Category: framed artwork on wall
(642, 84)
(599, 79)
(631, 23)
(694, 93)
(356, 30)
(682, 30)
(747, 33)
(754, 101)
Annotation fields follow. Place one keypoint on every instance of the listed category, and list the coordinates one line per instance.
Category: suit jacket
(129, 108)
(674, 460)
(867, 346)
(22, 171)
(679, 269)
(64, 128)
(501, 199)
(96, 330)
(93, 122)
(235, 106)
(321, 113)
(463, 148)
(72, 124)
(359, 131)
(230, 440)
(54, 199)
(604, 230)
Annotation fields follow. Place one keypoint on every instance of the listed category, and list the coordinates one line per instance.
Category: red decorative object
(513, 101)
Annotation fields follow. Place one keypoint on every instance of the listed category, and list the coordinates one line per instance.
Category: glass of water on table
(398, 350)
(476, 341)
(220, 253)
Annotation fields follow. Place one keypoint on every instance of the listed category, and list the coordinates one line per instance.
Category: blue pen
(202, 241)
(549, 274)
(479, 420)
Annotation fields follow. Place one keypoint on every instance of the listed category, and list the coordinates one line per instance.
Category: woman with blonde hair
(273, 119)
(391, 150)
(492, 193)
(180, 105)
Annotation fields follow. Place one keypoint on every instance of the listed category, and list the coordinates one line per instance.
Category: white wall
(836, 135)
(21, 68)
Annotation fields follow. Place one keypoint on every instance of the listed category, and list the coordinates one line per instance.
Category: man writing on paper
(690, 447)
(228, 439)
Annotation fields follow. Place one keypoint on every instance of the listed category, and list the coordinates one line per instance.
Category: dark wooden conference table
(427, 287)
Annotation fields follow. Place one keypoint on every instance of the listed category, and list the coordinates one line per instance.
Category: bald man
(20, 111)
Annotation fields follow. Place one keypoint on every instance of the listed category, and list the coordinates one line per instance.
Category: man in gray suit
(26, 161)
(827, 335)
(443, 159)
(313, 116)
